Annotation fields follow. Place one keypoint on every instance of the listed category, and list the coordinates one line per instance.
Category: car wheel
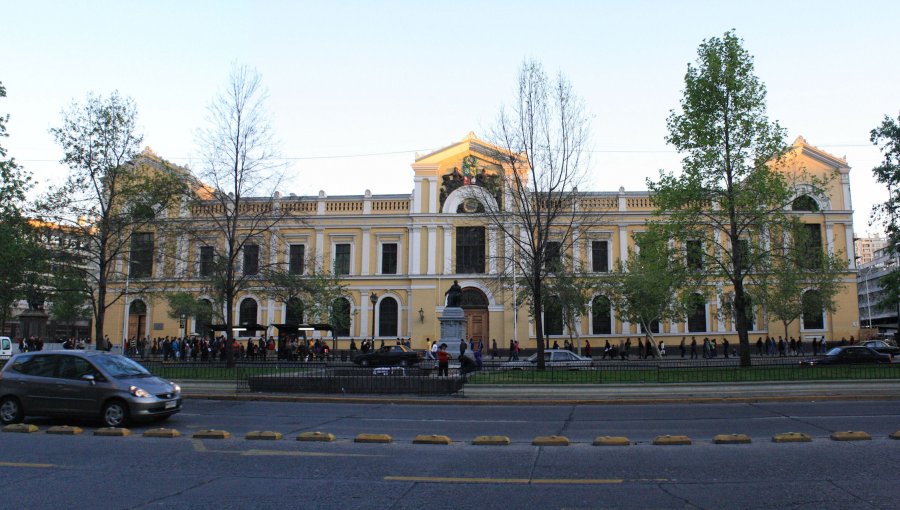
(115, 413)
(404, 363)
(11, 411)
(364, 363)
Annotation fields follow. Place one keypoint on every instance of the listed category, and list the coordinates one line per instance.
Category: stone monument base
(453, 329)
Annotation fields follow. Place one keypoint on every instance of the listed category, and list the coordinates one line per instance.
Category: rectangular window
(141, 257)
(553, 256)
(743, 248)
(600, 256)
(812, 246)
(470, 250)
(694, 255)
(342, 258)
(389, 258)
(207, 255)
(251, 259)
(297, 258)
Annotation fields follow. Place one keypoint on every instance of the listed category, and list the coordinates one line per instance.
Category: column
(623, 244)
(320, 247)
(433, 195)
(415, 250)
(851, 252)
(366, 241)
(432, 249)
(829, 237)
(448, 239)
(492, 250)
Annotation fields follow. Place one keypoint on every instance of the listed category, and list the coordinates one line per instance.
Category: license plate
(171, 404)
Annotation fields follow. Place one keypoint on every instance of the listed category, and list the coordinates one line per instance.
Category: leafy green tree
(15, 233)
(888, 172)
(802, 279)
(184, 304)
(572, 289)
(106, 198)
(652, 285)
(727, 196)
(311, 294)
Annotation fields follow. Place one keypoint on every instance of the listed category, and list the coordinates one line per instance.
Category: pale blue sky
(349, 78)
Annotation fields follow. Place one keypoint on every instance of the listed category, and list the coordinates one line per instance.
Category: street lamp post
(868, 297)
(373, 298)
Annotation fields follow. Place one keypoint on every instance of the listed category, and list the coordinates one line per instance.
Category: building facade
(867, 248)
(398, 254)
(872, 314)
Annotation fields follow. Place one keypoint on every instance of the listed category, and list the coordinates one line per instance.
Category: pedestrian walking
(443, 358)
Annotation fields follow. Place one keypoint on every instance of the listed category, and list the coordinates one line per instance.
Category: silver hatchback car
(86, 384)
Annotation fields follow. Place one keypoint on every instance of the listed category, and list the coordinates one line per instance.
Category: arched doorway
(137, 319)
(475, 305)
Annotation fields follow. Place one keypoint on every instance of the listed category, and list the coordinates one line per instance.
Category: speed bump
(21, 428)
(112, 432)
(263, 435)
(550, 441)
(792, 437)
(431, 439)
(316, 436)
(65, 430)
(731, 439)
(167, 433)
(895, 435)
(211, 434)
(851, 435)
(611, 441)
(373, 438)
(491, 441)
(668, 440)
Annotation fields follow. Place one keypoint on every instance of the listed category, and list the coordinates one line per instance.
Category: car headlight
(176, 388)
(138, 392)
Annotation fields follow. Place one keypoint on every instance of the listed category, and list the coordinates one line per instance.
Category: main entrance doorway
(137, 319)
(475, 305)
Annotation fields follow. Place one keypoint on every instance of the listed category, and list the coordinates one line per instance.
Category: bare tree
(541, 140)
(109, 204)
(234, 213)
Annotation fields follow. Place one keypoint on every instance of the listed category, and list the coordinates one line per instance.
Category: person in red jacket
(443, 361)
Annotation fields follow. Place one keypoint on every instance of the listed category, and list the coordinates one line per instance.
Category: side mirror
(89, 378)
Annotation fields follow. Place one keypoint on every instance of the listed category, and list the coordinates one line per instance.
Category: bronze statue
(454, 295)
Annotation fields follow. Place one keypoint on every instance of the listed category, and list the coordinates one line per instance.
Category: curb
(611, 441)
(491, 441)
(373, 438)
(316, 436)
(550, 441)
(432, 439)
(65, 430)
(895, 435)
(791, 437)
(732, 439)
(851, 435)
(21, 428)
(263, 435)
(668, 440)
(112, 432)
(166, 433)
(211, 434)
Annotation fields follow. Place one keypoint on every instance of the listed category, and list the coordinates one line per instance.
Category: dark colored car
(389, 355)
(883, 346)
(849, 355)
(87, 384)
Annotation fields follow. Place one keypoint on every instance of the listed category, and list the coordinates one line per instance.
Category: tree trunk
(740, 315)
(229, 330)
(539, 323)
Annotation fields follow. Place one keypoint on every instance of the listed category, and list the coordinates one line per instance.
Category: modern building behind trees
(398, 254)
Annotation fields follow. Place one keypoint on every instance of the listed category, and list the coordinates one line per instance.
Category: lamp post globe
(373, 298)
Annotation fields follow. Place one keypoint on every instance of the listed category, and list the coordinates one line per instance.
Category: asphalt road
(45, 471)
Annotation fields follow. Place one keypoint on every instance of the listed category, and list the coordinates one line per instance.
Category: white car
(553, 358)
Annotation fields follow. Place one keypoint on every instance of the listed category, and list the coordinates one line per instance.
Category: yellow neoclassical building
(398, 254)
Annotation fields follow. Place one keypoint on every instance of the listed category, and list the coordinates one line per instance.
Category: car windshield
(834, 352)
(121, 367)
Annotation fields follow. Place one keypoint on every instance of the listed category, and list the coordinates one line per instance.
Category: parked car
(5, 347)
(389, 355)
(855, 354)
(88, 384)
(553, 358)
(883, 346)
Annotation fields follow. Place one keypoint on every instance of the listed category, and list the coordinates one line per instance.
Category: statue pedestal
(33, 323)
(453, 329)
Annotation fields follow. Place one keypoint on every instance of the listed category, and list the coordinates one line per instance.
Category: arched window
(247, 315)
(473, 298)
(805, 203)
(813, 314)
(697, 314)
(553, 321)
(387, 317)
(293, 311)
(601, 316)
(137, 307)
(340, 317)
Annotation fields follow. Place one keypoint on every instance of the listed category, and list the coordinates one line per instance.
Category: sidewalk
(509, 394)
